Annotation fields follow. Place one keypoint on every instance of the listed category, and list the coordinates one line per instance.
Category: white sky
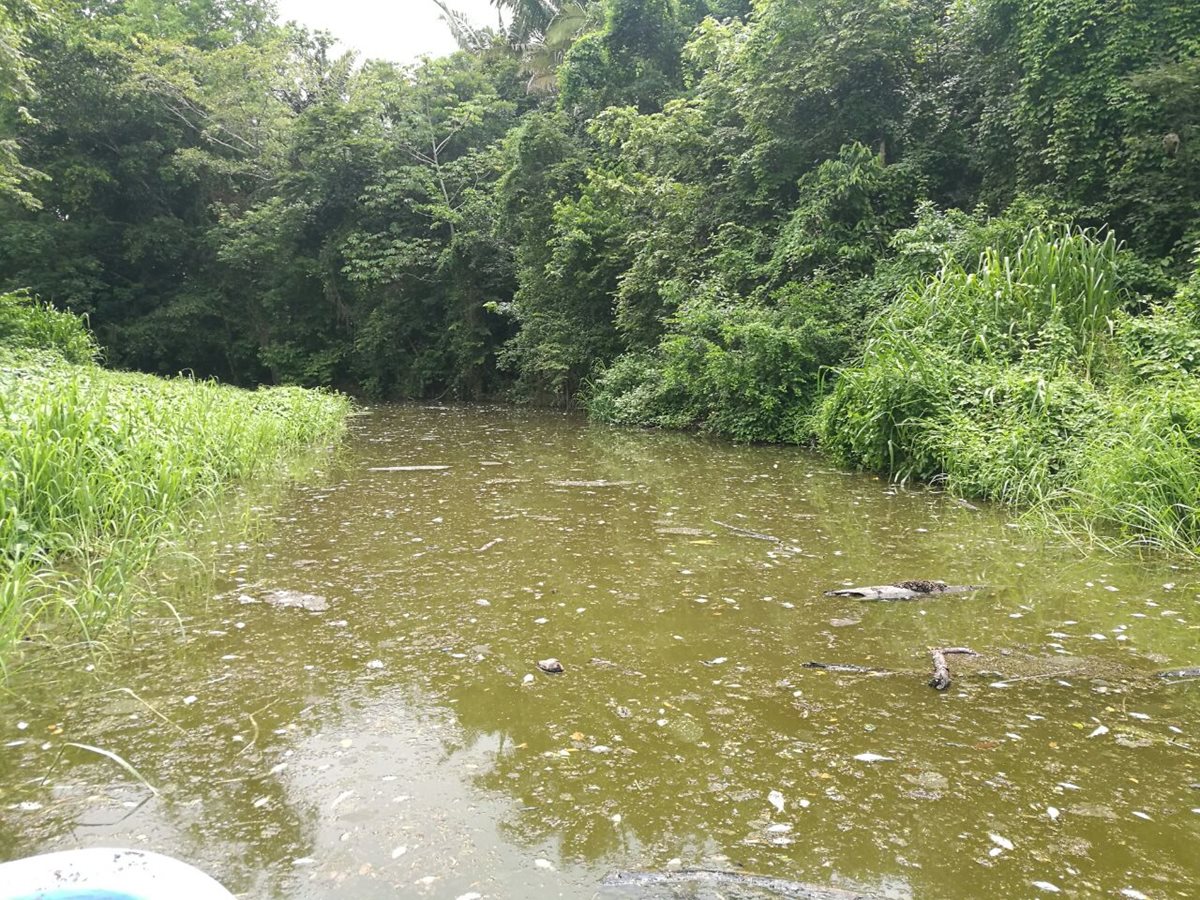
(398, 30)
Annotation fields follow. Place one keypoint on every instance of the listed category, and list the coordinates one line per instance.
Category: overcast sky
(399, 30)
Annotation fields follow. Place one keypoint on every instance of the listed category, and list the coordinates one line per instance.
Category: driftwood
(903, 590)
(746, 532)
(754, 885)
(941, 671)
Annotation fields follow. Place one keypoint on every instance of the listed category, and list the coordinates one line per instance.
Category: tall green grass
(1036, 378)
(99, 469)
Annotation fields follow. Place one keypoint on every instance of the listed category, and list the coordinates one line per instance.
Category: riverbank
(1045, 369)
(100, 470)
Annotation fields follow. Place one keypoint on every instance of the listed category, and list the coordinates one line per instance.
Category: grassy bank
(98, 469)
(1038, 378)
(1010, 359)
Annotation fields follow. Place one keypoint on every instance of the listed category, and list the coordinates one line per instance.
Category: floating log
(685, 879)
(941, 671)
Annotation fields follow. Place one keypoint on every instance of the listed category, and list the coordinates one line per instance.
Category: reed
(99, 470)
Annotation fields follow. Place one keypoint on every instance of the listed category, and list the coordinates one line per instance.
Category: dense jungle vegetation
(946, 239)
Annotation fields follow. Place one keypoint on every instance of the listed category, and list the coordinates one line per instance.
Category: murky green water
(403, 742)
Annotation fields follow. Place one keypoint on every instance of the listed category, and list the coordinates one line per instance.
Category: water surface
(403, 742)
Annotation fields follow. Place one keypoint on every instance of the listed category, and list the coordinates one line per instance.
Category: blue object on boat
(106, 874)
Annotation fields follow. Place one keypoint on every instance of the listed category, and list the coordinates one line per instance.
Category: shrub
(27, 324)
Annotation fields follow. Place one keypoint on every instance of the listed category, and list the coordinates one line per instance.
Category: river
(403, 742)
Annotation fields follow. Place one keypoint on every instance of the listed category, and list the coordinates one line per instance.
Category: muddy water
(402, 742)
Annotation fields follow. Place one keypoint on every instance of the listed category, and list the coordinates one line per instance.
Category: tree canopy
(710, 193)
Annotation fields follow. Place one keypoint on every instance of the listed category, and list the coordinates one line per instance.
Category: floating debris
(551, 666)
(1000, 841)
(600, 483)
(776, 800)
(903, 590)
(408, 469)
(874, 757)
(287, 599)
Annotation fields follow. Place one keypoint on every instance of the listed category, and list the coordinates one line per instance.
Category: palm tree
(541, 31)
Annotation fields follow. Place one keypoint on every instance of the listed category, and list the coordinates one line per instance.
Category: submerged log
(847, 667)
(941, 670)
(760, 885)
(902, 590)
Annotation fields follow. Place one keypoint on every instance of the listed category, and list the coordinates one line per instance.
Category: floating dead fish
(551, 666)
(903, 590)
(285, 599)
(776, 800)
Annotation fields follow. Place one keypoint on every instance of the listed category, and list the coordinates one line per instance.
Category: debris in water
(528, 679)
(1047, 887)
(623, 712)
(551, 666)
(717, 661)
(874, 757)
(544, 864)
(286, 599)
(190, 699)
(1132, 894)
(1000, 841)
(408, 469)
(399, 851)
(776, 800)
(589, 484)
(1053, 813)
(1099, 730)
(375, 664)
(489, 545)
(1142, 815)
